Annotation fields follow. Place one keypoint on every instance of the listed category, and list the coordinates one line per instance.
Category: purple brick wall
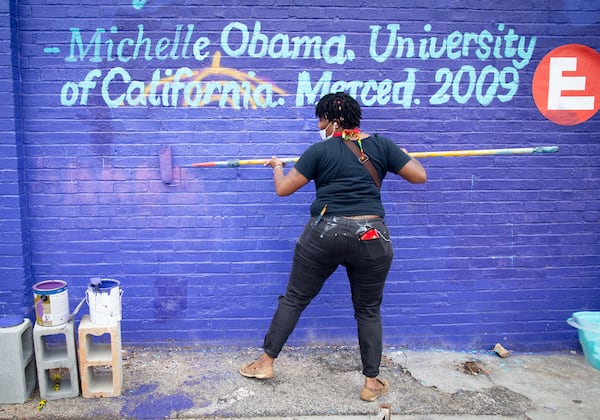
(15, 272)
(491, 249)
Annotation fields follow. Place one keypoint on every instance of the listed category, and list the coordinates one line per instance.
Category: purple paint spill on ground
(142, 404)
(158, 407)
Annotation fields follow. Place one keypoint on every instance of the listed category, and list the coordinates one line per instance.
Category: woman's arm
(413, 172)
(285, 184)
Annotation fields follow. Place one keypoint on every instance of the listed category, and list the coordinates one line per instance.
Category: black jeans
(319, 251)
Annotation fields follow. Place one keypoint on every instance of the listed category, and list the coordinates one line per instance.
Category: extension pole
(234, 163)
(487, 152)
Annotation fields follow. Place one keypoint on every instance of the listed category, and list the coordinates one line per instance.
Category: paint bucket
(588, 327)
(51, 302)
(103, 297)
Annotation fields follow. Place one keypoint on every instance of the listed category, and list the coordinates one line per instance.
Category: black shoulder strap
(364, 162)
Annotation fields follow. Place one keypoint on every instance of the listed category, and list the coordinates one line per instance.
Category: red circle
(575, 87)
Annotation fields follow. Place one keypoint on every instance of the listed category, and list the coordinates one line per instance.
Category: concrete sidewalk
(317, 382)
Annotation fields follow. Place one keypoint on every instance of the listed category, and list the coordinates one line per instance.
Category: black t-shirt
(342, 182)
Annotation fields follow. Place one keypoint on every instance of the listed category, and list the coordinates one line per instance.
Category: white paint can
(103, 297)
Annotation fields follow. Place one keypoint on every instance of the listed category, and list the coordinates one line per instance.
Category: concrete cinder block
(100, 361)
(56, 357)
(17, 365)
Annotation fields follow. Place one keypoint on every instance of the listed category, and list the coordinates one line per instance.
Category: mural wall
(111, 103)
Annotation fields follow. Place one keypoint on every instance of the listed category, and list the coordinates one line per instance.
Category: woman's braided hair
(339, 106)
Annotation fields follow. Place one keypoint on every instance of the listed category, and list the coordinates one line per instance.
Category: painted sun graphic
(225, 87)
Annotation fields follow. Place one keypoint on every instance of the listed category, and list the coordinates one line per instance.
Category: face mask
(323, 132)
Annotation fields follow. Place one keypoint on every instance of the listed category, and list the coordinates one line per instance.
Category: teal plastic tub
(588, 326)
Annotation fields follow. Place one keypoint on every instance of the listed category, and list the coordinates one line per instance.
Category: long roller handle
(487, 152)
(234, 163)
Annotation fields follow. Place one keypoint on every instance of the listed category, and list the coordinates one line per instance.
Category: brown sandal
(250, 371)
(370, 395)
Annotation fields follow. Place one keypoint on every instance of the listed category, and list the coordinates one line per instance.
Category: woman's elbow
(413, 172)
(282, 191)
(419, 178)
